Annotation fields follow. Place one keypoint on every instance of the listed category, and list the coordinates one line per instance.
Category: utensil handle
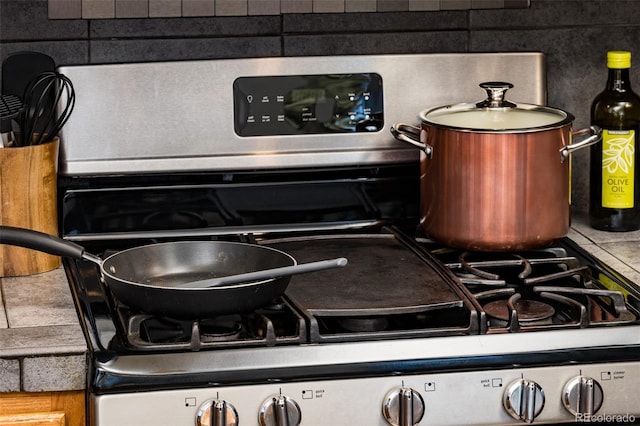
(266, 274)
(40, 241)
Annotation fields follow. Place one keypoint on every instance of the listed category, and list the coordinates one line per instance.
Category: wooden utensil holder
(28, 199)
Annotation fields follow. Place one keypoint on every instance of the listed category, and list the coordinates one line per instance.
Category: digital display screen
(308, 95)
(308, 104)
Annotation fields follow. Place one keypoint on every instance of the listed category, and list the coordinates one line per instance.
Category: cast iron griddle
(382, 277)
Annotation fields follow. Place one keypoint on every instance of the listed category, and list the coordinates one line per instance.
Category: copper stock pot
(495, 175)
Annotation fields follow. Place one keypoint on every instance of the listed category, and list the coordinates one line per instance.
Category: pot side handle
(596, 136)
(410, 134)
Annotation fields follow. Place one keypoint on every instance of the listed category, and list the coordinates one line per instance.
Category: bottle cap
(618, 59)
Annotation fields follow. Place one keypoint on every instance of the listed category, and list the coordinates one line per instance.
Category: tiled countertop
(42, 347)
(620, 250)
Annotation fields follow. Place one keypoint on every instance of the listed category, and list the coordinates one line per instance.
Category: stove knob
(280, 410)
(403, 407)
(523, 400)
(582, 395)
(217, 413)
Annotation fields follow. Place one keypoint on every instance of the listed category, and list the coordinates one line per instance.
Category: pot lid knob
(495, 95)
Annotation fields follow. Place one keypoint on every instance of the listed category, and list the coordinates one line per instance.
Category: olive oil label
(618, 153)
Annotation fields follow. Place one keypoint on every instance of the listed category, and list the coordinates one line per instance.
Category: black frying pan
(153, 277)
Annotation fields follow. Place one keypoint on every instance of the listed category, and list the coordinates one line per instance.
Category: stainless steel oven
(296, 154)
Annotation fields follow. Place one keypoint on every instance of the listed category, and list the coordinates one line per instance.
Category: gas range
(398, 336)
(417, 324)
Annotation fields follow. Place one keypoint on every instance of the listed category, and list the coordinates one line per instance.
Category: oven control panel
(590, 393)
(308, 104)
(271, 113)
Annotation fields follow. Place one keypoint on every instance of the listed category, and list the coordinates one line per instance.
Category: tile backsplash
(116, 9)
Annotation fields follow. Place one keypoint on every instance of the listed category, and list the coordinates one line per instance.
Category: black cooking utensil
(18, 71)
(39, 122)
(20, 68)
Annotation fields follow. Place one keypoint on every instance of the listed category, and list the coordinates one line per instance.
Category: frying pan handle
(35, 240)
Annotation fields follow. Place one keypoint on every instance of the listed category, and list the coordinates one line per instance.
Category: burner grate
(269, 326)
(534, 290)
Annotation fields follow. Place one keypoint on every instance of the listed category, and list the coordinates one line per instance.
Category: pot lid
(496, 114)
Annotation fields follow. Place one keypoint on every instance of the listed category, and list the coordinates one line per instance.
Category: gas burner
(528, 311)
(275, 325)
(533, 290)
(546, 307)
(225, 328)
(148, 331)
(364, 324)
(510, 311)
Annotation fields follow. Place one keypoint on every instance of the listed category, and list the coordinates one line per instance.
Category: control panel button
(523, 400)
(403, 407)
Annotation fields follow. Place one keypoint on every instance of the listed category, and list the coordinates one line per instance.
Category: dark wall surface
(574, 35)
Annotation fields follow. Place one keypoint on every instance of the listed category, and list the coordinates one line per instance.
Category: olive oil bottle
(614, 172)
